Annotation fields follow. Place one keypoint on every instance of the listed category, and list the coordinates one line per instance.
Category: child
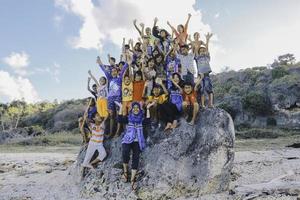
(85, 132)
(197, 43)
(95, 143)
(101, 95)
(172, 65)
(190, 101)
(202, 59)
(162, 108)
(92, 109)
(114, 90)
(138, 86)
(150, 74)
(187, 64)
(133, 140)
(181, 32)
(175, 96)
(127, 93)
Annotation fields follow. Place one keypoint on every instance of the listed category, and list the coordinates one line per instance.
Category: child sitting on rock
(190, 105)
(96, 142)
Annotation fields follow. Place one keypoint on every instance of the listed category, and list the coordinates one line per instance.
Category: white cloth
(187, 63)
(92, 147)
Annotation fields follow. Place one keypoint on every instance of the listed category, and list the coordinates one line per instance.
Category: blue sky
(48, 46)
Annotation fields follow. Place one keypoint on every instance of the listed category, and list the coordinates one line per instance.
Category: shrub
(279, 72)
(271, 121)
(229, 108)
(257, 103)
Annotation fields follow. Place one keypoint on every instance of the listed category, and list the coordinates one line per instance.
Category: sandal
(125, 177)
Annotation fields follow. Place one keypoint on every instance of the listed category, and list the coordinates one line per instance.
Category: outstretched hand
(208, 35)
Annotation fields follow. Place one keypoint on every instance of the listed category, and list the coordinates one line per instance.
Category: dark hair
(94, 85)
(104, 78)
(113, 59)
(188, 83)
(138, 73)
(184, 46)
(163, 30)
(127, 46)
(122, 63)
(93, 102)
(181, 26)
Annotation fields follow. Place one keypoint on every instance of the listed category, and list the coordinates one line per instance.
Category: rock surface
(190, 162)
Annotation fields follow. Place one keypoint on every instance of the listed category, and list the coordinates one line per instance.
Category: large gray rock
(190, 162)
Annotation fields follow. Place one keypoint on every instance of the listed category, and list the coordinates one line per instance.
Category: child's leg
(135, 163)
(195, 111)
(210, 99)
(88, 155)
(184, 109)
(202, 101)
(125, 157)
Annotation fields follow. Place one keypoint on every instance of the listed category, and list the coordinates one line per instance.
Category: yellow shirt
(160, 99)
(127, 92)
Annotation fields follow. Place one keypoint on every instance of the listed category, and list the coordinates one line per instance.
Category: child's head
(97, 118)
(121, 64)
(164, 33)
(112, 61)
(127, 80)
(157, 42)
(151, 63)
(114, 72)
(94, 87)
(202, 50)
(156, 90)
(158, 59)
(176, 77)
(102, 80)
(155, 52)
(148, 31)
(196, 36)
(127, 47)
(172, 54)
(138, 76)
(137, 46)
(184, 49)
(146, 40)
(180, 28)
(135, 108)
(188, 88)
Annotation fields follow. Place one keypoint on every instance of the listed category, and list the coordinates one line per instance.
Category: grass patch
(56, 139)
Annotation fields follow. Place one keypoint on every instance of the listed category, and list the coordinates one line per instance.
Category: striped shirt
(97, 133)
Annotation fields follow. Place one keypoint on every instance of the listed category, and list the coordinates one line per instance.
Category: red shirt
(138, 88)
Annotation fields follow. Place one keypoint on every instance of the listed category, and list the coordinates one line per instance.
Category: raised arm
(124, 68)
(173, 29)
(187, 22)
(208, 36)
(94, 79)
(159, 81)
(137, 28)
(105, 71)
(176, 85)
(88, 84)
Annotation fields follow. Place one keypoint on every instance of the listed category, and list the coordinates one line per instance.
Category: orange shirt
(138, 88)
(190, 98)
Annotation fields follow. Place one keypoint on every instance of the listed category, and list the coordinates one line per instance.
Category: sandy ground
(260, 166)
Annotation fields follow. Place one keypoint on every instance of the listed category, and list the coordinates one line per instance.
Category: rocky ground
(258, 170)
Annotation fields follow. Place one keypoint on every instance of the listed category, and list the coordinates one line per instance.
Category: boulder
(189, 162)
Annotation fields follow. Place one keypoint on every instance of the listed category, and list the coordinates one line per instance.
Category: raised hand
(134, 21)
(89, 72)
(208, 35)
(142, 25)
(189, 15)
(155, 20)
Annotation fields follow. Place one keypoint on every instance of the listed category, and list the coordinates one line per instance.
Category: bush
(279, 72)
(229, 108)
(257, 103)
(271, 121)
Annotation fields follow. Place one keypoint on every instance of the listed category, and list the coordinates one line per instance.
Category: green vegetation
(257, 103)
(279, 72)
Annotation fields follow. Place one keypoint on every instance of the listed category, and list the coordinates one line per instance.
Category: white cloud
(112, 20)
(13, 88)
(18, 62)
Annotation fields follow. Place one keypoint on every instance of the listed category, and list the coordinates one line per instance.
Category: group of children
(155, 83)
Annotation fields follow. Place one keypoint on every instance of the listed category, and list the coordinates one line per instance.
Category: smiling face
(114, 72)
(137, 77)
(188, 89)
(102, 80)
(97, 118)
(196, 36)
(151, 64)
(184, 50)
(156, 91)
(176, 78)
(163, 34)
(126, 80)
(180, 28)
(135, 109)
